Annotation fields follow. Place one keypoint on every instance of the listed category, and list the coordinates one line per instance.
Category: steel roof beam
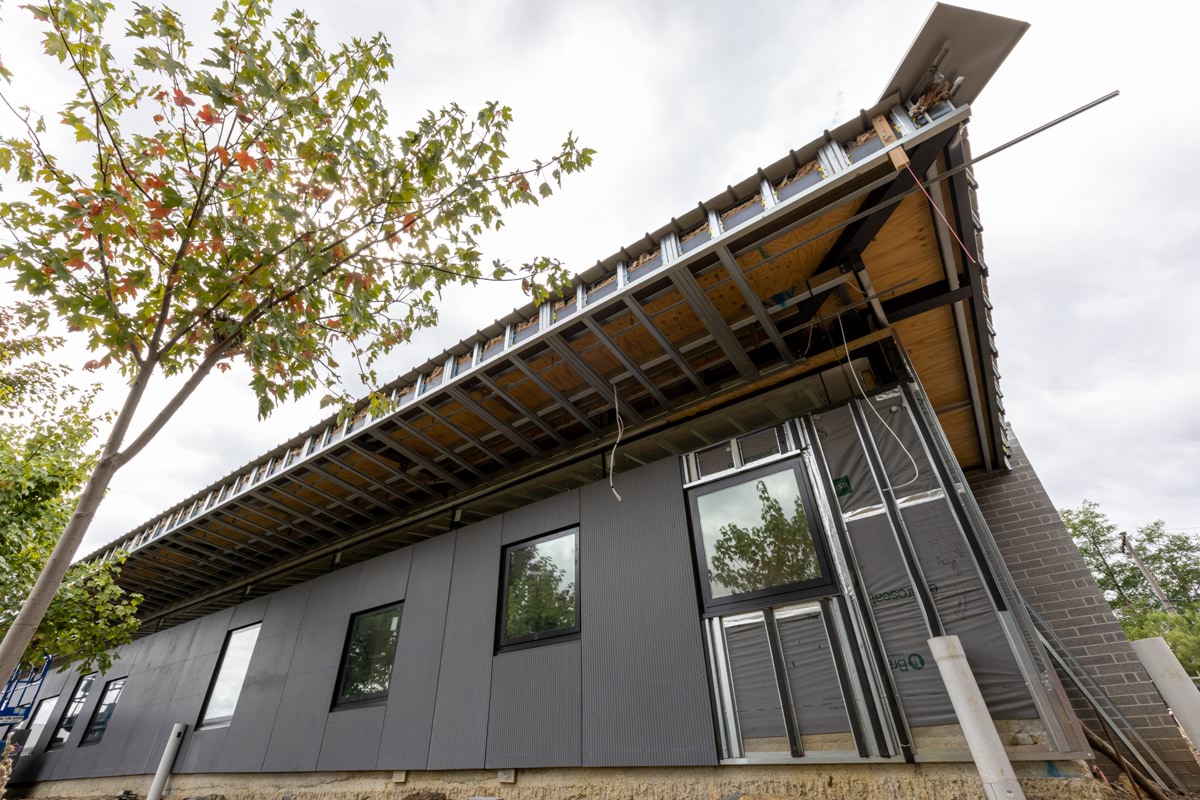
(333, 498)
(521, 409)
(685, 282)
(490, 418)
(419, 460)
(627, 362)
(379, 484)
(668, 347)
(553, 393)
(350, 487)
(592, 378)
(412, 430)
(755, 304)
(475, 442)
(324, 526)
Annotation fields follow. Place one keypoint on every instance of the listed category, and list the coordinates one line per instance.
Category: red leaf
(262, 147)
(223, 153)
(159, 118)
(409, 219)
(157, 209)
(223, 367)
(76, 262)
(207, 115)
(245, 160)
(182, 99)
(267, 163)
(154, 182)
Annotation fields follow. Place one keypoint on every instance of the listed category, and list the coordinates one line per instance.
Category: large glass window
(370, 650)
(82, 690)
(104, 711)
(540, 598)
(38, 722)
(755, 536)
(231, 674)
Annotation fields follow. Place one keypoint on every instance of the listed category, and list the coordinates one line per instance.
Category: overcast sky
(1091, 229)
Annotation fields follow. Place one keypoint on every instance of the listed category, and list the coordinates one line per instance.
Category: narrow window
(38, 722)
(104, 711)
(231, 673)
(370, 650)
(82, 690)
(540, 598)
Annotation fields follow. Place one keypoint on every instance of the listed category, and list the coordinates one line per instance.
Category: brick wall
(1051, 574)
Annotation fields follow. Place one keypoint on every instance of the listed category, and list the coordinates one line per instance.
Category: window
(540, 599)
(38, 722)
(231, 673)
(104, 711)
(755, 535)
(366, 672)
(82, 690)
(737, 453)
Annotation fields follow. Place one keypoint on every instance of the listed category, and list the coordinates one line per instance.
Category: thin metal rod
(943, 176)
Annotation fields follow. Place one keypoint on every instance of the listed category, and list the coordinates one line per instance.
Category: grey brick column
(1050, 572)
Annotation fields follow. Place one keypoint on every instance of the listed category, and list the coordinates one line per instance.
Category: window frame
(377, 698)
(823, 586)
(31, 742)
(51, 744)
(88, 739)
(505, 644)
(224, 722)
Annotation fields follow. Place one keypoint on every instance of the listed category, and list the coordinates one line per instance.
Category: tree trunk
(20, 633)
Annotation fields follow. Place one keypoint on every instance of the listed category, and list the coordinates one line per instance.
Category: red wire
(939, 212)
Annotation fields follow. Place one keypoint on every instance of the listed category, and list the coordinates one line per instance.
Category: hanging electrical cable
(620, 432)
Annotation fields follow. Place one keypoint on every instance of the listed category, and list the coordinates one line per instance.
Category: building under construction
(705, 514)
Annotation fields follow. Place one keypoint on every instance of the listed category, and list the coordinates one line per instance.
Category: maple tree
(248, 204)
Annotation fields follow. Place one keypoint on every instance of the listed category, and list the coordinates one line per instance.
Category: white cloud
(1091, 228)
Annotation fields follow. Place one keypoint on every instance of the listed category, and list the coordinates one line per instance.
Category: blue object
(21, 692)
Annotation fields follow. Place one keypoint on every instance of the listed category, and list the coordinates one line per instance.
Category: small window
(540, 598)
(63, 732)
(762, 444)
(104, 711)
(717, 458)
(231, 674)
(366, 673)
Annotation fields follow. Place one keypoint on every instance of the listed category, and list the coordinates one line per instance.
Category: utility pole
(1128, 547)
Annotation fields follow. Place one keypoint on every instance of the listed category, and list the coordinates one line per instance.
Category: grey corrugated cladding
(535, 708)
(645, 695)
(630, 691)
(460, 721)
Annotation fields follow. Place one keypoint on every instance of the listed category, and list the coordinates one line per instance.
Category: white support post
(1173, 683)
(166, 762)
(995, 770)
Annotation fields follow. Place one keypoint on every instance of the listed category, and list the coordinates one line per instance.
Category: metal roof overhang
(695, 321)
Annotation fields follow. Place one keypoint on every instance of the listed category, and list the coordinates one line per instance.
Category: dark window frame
(87, 732)
(823, 586)
(377, 698)
(222, 722)
(558, 635)
(62, 718)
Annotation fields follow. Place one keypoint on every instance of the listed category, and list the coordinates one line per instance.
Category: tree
(246, 205)
(46, 453)
(1174, 558)
(778, 552)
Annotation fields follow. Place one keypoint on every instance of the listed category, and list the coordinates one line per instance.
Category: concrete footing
(1041, 781)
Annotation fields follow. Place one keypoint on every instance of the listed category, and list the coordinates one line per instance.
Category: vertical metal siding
(295, 742)
(245, 745)
(351, 739)
(460, 721)
(645, 686)
(535, 708)
(408, 723)
(544, 516)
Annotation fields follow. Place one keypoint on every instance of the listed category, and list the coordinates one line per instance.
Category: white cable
(853, 372)
(620, 432)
